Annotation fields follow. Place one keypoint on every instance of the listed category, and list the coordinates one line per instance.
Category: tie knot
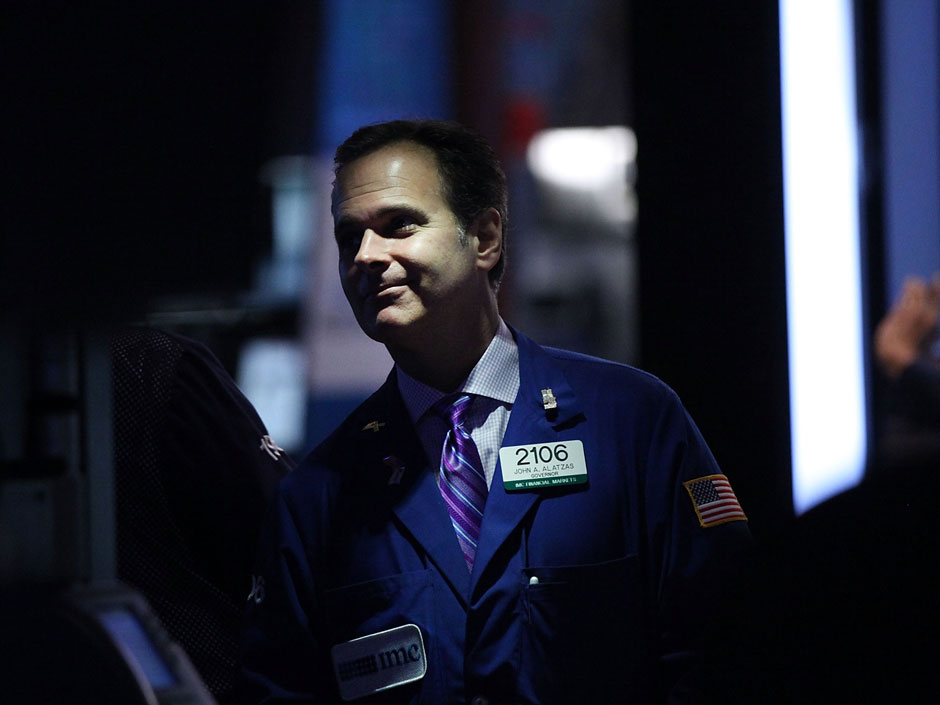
(454, 408)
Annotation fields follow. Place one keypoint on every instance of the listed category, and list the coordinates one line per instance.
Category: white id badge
(537, 465)
(377, 662)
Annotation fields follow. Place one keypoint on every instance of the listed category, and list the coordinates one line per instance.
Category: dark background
(136, 132)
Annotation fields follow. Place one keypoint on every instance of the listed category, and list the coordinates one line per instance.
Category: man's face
(406, 275)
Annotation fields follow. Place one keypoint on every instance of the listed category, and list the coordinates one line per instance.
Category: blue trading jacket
(582, 593)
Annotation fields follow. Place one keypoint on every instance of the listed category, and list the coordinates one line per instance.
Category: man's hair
(471, 176)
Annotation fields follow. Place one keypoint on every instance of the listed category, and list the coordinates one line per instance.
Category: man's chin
(387, 330)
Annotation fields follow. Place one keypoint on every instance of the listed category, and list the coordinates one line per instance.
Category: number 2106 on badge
(536, 465)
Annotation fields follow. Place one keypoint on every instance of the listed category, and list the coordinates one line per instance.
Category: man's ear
(487, 230)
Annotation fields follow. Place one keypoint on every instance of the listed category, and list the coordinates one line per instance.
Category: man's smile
(382, 290)
(373, 299)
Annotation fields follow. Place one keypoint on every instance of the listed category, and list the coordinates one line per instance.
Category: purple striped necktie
(462, 483)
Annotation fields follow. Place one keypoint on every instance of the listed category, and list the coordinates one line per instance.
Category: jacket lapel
(529, 423)
(424, 515)
(416, 500)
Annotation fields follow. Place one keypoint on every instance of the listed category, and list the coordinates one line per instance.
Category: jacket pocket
(585, 638)
(354, 611)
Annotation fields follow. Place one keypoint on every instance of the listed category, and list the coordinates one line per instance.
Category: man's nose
(373, 252)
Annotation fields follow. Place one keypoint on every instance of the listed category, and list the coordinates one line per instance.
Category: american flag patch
(714, 501)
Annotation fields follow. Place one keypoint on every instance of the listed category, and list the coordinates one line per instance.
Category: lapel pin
(373, 426)
(397, 467)
(548, 400)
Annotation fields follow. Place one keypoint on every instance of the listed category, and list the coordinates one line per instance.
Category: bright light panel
(582, 158)
(824, 310)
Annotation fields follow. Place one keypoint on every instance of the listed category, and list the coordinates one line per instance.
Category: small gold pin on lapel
(373, 426)
(548, 399)
(397, 467)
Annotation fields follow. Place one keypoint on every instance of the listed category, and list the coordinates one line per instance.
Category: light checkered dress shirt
(495, 381)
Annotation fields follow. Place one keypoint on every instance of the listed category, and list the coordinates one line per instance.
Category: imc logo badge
(380, 661)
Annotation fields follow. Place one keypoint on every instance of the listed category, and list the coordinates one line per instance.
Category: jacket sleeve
(692, 559)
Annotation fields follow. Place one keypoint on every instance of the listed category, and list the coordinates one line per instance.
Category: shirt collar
(496, 375)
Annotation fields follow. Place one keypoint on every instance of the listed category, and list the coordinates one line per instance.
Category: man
(500, 522)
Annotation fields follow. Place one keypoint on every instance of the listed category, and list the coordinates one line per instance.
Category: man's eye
(403, 223)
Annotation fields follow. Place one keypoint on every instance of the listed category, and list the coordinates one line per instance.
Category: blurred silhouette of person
(194, 471)
(911, 373)
(843, 604)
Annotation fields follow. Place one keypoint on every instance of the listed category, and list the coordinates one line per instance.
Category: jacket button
(480, 700)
